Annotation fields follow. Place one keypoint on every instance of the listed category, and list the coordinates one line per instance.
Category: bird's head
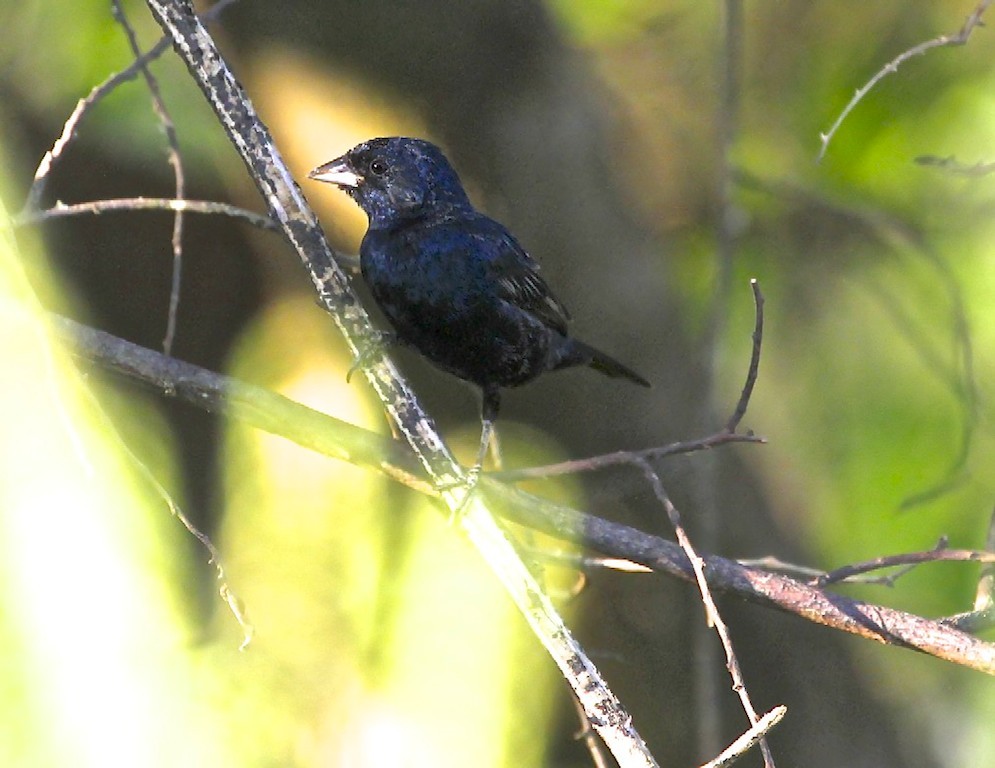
(396, 179)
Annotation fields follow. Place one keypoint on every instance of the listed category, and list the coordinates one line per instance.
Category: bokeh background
(652, 184)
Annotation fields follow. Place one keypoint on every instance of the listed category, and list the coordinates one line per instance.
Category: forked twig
(712, 616)
(97, 94)
(938, 554)
(726, 435)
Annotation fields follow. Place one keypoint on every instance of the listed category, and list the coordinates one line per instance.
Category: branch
(744, 743)
(131, 204)
(959, 38)
(908, 558)
(84, 105)
(338, 439)
(126, 204)
(288, 207)
(169, 128)
(872, 622)
(712, 615)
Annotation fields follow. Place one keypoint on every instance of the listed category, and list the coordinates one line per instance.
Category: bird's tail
(582, 354)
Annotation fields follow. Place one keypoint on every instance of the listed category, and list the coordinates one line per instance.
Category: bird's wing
(517, 277)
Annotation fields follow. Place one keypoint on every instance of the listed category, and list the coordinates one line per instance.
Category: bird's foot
(370, 348)
(468, 485)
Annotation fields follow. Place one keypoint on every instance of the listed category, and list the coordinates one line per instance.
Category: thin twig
(940, 553)
(775, 564)
(745, 743)
(707, 684)
(899, 238)
(228, 595)
(728, 433)
(959, 38)
(712, 616)
(581, 561)
(129, 204)
(754, 370)
(971, 621)
(588, 736)
(169, 128)
(94, 97)
(982, 617)
(622, 458)
(958, 376)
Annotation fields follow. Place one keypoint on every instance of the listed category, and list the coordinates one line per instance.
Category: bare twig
(94, 97)
(579, 561)
(588, 736)
(902, 239)
(745, 743)
(622, 458)
(982, 617)
(940, 553)
(957, 376)
(728, 433)
(706, 678)
(775, 564)
(984, 598)
(959, 38)
(972, 621)
(712, 616)
(169, 128)
(754, 369)
(234, 603)
(129, 204)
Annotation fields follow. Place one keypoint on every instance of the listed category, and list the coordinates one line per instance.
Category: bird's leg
(488, 415)
(486, 435)
(369, 348)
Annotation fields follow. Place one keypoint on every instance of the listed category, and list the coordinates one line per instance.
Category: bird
(454, 284)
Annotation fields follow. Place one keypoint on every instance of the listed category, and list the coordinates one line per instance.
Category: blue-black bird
(453, 283)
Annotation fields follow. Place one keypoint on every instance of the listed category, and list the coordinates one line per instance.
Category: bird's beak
(336, 172)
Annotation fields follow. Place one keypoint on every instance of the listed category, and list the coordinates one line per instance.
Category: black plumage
(455, 284)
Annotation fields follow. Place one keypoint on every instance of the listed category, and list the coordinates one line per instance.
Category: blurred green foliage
(875, 389)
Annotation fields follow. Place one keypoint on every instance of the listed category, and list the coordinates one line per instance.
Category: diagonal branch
(288, 207)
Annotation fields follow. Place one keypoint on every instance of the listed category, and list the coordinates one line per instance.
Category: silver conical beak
(336, 172)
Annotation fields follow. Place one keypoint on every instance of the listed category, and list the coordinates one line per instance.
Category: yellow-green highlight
(94, 646)
(381, 639)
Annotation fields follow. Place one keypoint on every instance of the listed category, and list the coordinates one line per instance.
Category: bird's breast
(442, 301)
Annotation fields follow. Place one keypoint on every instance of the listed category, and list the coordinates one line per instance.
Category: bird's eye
(378, 167)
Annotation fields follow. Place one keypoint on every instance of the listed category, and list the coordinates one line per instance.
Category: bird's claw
(468, 483)
(369, 348)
